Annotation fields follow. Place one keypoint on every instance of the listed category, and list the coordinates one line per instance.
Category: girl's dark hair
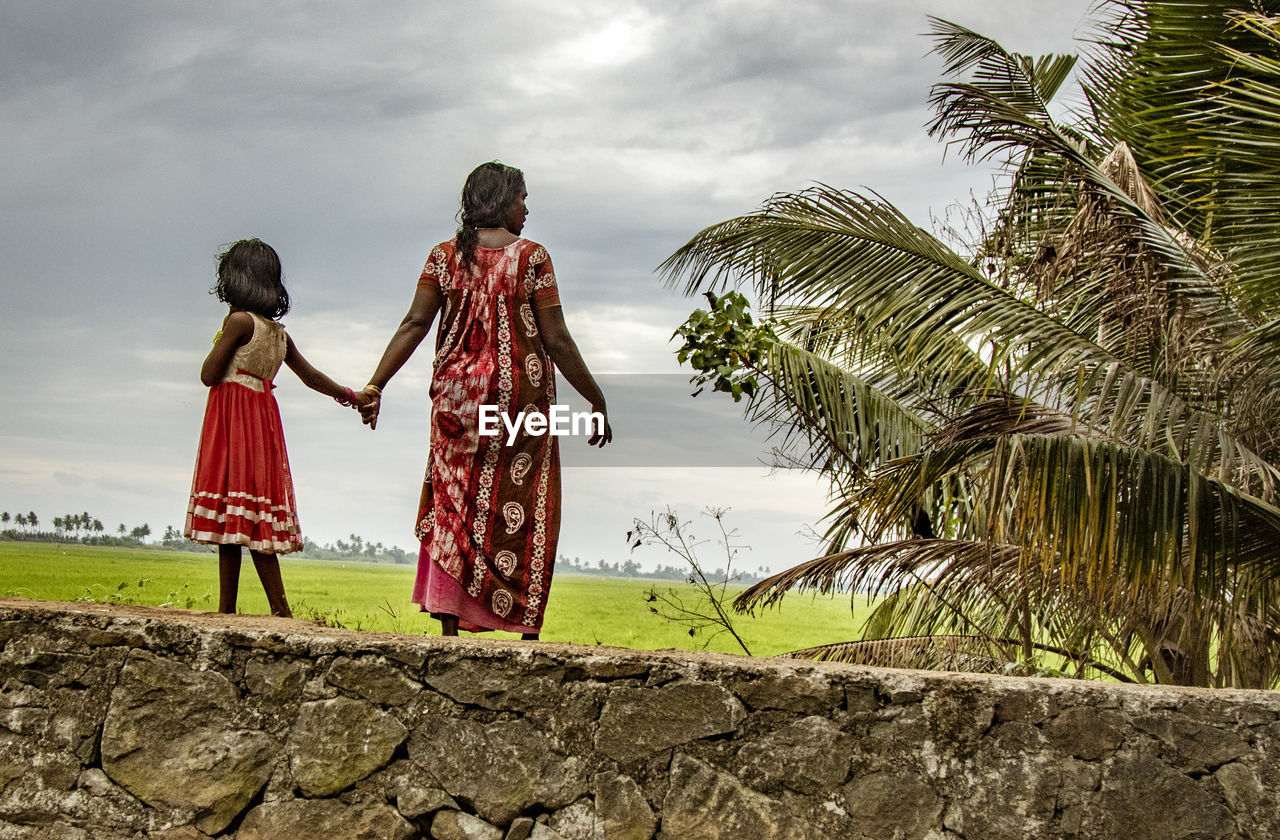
(487, 197)
(249, 278)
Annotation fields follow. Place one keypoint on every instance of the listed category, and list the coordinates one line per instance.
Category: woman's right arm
(415, 326)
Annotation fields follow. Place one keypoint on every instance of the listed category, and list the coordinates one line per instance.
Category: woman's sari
(489, 516)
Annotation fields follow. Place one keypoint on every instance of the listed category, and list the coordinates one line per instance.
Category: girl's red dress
(242, 493)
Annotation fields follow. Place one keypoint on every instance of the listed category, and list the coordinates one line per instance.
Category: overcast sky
(139, 138)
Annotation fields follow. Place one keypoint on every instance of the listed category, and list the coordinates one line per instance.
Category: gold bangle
(374, 388)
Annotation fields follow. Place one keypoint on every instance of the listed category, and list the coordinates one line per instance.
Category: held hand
(601, 438)
(369, 409)
(364, 398)
(349, 398)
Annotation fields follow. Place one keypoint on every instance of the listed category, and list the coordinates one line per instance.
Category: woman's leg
(448, 624)
(228, 577)
(269, 573)
(529, 637)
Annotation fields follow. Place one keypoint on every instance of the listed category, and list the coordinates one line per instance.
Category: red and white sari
(489, 514)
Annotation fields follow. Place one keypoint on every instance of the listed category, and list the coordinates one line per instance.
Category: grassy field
(375, 597)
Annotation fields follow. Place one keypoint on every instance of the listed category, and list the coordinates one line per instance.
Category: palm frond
(972, 654)
(829, 418)
(1194, 89)
(1095, 511)
(931, 653)
(1006, 93)
(1009, 118)
(871, 569)
(839, 250)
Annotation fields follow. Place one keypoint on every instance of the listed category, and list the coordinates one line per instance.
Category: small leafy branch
(709, 608)
(724, 347)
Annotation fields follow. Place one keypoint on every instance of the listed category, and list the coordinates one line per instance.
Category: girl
(242, 493)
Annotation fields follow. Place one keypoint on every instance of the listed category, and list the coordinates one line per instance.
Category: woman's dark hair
(487, 196)
(249, 278)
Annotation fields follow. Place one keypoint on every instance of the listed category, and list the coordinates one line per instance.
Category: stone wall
(140, 723)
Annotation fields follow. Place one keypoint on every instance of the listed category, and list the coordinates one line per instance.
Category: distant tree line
(355, 548)
(631, 569)
(85, 529)
(71, 527)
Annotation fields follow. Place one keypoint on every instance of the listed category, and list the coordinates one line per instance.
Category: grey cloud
(141, 136)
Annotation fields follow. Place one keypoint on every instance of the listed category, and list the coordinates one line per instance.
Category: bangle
(348, 400)
(376, 390)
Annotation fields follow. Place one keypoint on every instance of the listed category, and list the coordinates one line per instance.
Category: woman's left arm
(564, 353)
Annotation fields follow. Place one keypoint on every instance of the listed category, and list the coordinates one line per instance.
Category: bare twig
(708, 609)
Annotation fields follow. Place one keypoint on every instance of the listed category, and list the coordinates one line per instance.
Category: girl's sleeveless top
(258, 360)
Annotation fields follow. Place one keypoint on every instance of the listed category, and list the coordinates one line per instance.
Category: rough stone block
(1007, 787)
(541, 831)
(303, 819)
(622, 810)
(638, 722)
(457, 825)
(520, 829)
(1145, 799)
(337, 742)
(414, 802)
(503, 769)
(809, 756)
(274, 680)
(171, 738)
(1194, 745)
(373, 678)
(1085, 733)
(805, 693)
(893, 804)
(517, 686)
(704, 803)
(577, 822)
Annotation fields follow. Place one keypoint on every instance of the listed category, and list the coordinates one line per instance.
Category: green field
(363, 596)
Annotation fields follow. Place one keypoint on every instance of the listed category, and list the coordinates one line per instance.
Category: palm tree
(33, 521)
(4, 518)
(1057, 450)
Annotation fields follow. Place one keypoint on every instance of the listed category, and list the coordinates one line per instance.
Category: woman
(489, 515)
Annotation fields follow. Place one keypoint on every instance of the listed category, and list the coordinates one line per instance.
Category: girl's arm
(237, 329)
(314, 379)
(413, 328)
(563, 351)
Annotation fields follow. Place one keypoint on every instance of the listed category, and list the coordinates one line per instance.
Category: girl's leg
(448, 624)
(269, 573)
(228, 577)
(529, 637)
